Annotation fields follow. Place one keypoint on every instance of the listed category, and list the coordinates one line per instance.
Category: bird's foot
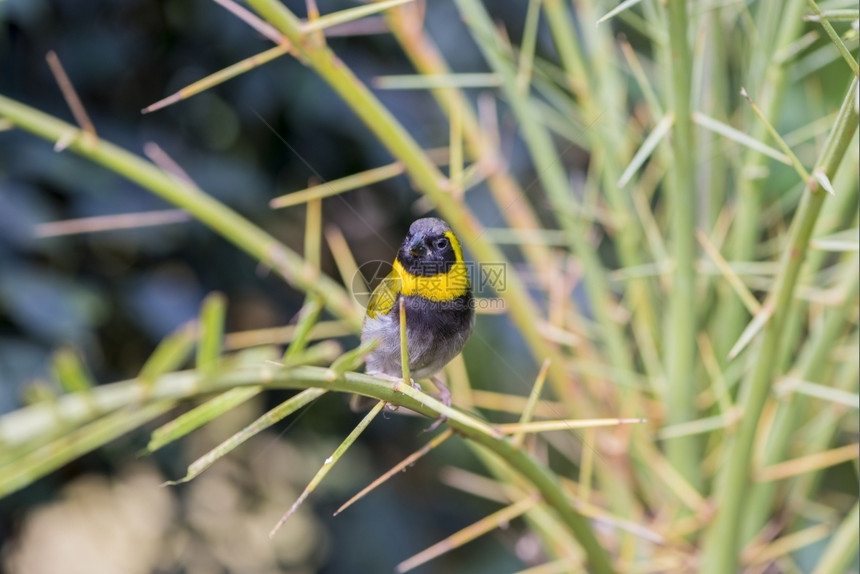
(445, 397)
(396, 381)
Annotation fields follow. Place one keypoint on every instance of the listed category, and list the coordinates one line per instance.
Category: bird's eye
(441, 243)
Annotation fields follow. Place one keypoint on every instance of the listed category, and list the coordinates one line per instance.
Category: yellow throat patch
(441, 287)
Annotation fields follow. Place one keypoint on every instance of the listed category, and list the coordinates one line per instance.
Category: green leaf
(275, 415)
(353, 358)
(329, 463)
(36, 464)
(70, 371)
(199, 416)
(170, 354)
(308, 316)
(211, 336)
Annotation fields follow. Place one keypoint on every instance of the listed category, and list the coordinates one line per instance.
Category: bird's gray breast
(436, 332)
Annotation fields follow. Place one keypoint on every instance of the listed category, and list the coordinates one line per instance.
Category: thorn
(160, 158)
(64, 142)
(162, 103)
(287, 515)
(820, 176)
(71, 96)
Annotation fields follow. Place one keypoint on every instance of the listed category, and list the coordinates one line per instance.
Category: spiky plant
(717, 255)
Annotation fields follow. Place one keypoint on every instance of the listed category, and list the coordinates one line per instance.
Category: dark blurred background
(114, 295)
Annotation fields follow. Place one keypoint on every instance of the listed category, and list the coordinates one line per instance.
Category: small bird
(429, 274)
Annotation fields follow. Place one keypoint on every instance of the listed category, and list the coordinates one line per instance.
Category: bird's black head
(429, 249)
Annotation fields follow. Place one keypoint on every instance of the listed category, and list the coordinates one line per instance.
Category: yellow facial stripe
(455, 245)
(440, 287)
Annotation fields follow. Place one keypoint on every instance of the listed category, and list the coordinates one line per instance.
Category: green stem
(835, 38)
(814, 359)
(822, 435)
(552, 176)
(596, 88)
(778, 26)
(405, 25)
(837, 214)
(214, 214)
(717, 107)
(842, 549)
(32, 464)
(595, 85)
(41, 418)
(515, 208)
(721, 550)
(424, 175)
(680, 344)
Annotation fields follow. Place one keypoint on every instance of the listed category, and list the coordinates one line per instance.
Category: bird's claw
(397, 381)
(445, 397)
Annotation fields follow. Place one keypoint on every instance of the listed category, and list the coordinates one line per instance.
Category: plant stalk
(722, 540)
(766, 81)
(814, 359)
(208, 210)
(426, 178)
(188, 384)
(680, 344)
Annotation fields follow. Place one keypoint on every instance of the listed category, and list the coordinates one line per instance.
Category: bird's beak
(416, 246)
